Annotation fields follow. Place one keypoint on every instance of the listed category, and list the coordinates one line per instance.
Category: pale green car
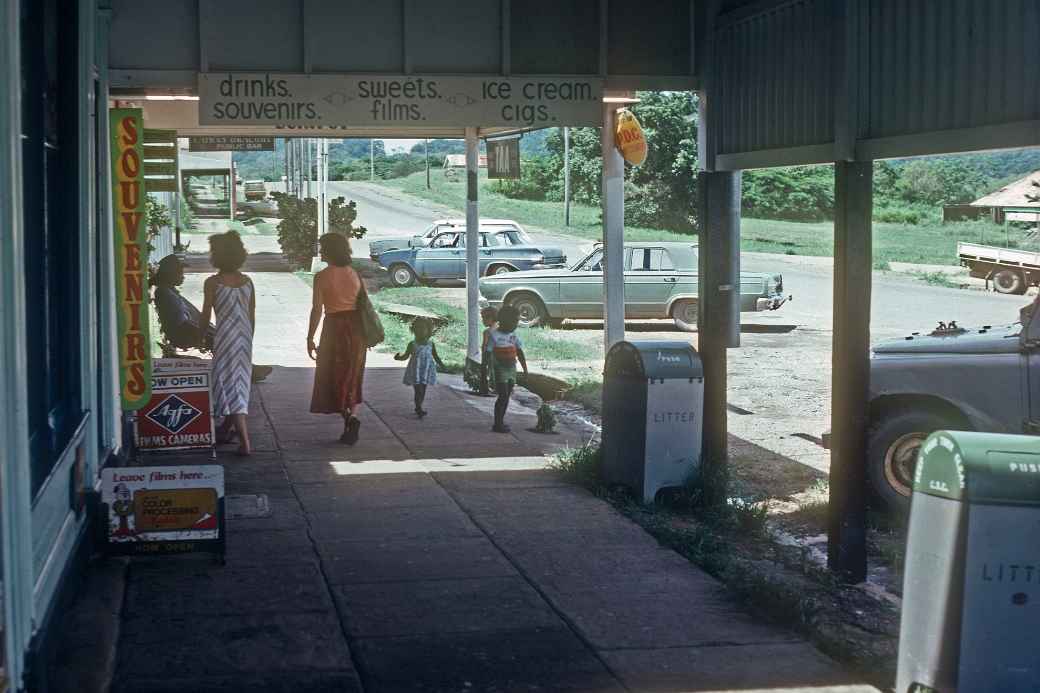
(660, 282)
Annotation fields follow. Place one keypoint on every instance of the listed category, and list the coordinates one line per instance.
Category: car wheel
(402, 275)
(1008, 281)
(498, 269)
(684, 314)
(532, 310)
(892, 448)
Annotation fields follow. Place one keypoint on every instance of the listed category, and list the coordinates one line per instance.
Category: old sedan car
(501, 252)
(660, 282)
(379, 246)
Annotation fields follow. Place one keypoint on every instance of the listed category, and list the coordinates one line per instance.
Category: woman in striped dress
(230, 294)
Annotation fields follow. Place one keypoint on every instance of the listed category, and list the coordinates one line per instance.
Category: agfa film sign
(131, 255)
(176, 509)
(178, 414)
(276, 99)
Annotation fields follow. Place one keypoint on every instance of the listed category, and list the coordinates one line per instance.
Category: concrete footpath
(433, 556)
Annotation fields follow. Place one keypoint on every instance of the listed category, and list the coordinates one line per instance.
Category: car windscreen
(591, 263)
(507, 238)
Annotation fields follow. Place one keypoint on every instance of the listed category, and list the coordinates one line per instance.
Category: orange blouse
(336, 289)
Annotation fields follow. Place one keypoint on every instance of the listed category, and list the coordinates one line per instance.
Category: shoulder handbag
(372, 326)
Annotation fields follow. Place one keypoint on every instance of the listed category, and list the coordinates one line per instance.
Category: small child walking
(489, 316)
(423, 361)
(506, 350)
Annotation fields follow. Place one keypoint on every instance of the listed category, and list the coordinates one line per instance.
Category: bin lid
(654, 359)
(989, 468)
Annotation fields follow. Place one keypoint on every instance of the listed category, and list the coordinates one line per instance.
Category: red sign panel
(178, 415)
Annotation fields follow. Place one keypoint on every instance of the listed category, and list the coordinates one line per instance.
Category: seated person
(179, 320)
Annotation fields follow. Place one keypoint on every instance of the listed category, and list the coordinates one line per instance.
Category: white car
(421, 240)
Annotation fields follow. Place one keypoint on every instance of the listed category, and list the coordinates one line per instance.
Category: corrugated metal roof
(1013, 194)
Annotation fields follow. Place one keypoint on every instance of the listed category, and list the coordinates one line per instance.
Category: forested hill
(271, 165)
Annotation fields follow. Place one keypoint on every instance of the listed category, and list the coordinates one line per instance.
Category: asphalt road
(898, 304)
(780, 379)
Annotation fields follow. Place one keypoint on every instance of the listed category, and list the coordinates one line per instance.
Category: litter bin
(971, 592)
(653, 395)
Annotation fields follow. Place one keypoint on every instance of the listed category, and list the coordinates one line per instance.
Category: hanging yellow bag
(629, 138)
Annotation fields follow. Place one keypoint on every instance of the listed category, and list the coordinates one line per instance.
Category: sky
(399, 145)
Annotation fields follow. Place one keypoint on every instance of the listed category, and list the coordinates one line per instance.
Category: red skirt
(341, 364)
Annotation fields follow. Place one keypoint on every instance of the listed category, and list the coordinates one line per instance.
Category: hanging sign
(276, 99)
(131, 255)
(503, 158)
(230, 143)
(163, 510)
(629, 138)
(177, 416)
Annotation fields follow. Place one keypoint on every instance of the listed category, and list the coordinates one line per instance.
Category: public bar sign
(163, 510)
(276, 99)
(131, 255)
(177, 416)
(230, 143)
(503, 158)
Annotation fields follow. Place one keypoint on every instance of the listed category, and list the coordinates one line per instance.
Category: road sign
(407, 100)
(163, 510)
(503, 158)
(230, 143)
(177, 417)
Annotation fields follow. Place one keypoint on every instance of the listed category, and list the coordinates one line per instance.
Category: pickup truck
(980, 379)
(1012, 271)
(254, 190)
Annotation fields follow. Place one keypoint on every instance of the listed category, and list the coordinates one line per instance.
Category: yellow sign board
(175, 509)
(131, 254)
(629, 138)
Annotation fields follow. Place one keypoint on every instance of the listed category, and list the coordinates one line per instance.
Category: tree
(298, 229)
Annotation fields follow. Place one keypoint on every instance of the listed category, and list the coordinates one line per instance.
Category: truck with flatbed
(1012, 270)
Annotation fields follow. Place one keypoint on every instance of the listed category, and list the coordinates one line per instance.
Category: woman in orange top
(341, 355)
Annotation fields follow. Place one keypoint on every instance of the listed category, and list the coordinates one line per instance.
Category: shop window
(52, 237)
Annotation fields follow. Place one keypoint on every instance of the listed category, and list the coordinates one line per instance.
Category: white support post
(472, 248)
(566, 176)
(16, 568)
(612, 199)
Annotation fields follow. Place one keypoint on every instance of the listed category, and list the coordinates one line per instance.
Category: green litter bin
(971, 592)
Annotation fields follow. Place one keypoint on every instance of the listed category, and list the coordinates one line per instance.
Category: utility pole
(371, 159)
(426, 151)
(285, 151)
(566, 176)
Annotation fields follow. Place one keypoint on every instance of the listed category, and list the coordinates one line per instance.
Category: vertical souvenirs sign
(126, 129)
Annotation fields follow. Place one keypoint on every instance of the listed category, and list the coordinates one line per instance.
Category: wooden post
(472, 247)
(718, 316)
(850, 379)
(612, 199)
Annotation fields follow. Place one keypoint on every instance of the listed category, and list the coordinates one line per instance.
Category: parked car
(1012, 271)
(985, 379)
(501, 252)
(254, 190)
(660, 282)
(380, 246)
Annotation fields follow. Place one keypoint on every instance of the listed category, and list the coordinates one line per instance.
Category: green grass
(539, 344)
(932, 243)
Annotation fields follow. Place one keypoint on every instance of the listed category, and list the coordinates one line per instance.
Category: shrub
(537, 178)
(298, 229)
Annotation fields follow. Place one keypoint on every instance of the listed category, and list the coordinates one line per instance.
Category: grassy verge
(779, 582)
(925, 244)
(451, 337)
